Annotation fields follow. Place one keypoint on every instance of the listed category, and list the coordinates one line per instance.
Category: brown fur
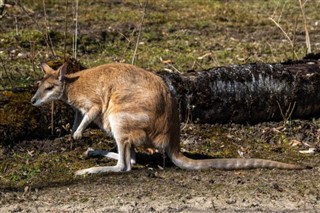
(136, 107)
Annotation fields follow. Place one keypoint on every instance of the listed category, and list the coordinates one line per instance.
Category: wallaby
(136, 107)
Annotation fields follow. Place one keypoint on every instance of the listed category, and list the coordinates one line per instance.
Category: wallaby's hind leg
(123, 164)
(125, 137)
(113, 155)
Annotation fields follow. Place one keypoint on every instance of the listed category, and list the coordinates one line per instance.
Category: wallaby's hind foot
(100, 169)
(92, 153)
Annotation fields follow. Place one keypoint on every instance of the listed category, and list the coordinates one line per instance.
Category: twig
(188, 112)
(49, 43)
(128, 42)
(282, 9)
(308, 44)
(32, 57)
(75, 31)
(288, 113)
(17, 26)
(48, 38)
(283, 116)
(65, 32)
(272, 53)
(170, 65)
(285, 34)
(290, 110)
(35, 22)
(304, 3)
(294, 36)
(5, 71)
(28, 14)
(52, 118)
(139, 33)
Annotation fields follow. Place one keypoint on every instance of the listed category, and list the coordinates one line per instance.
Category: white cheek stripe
(45, 98)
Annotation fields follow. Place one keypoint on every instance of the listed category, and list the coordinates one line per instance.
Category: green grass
(224, 32)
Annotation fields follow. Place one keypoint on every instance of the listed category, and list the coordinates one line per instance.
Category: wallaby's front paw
(77, 135)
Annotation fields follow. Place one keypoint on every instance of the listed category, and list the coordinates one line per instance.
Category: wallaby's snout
(33, 100)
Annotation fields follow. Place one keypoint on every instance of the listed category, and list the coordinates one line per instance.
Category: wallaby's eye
(49, 88)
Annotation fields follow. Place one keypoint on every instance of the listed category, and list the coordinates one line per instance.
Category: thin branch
(287, 116)
(32, 57)
(48, 38)
(5, 71)
(34, 21)
(282, 9)
(28, 14)
(308, 44)
(49, 44)
(285, 34)
(290, 111)
(139, 33)
(52, 118)
(65, 32)
(17, 26)
(304, 3)
(294, 36)
(75, 30)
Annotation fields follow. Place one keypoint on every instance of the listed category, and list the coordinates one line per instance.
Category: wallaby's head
(51, 87)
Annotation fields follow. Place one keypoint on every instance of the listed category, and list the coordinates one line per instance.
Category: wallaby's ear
(62, 71)
(46, 69)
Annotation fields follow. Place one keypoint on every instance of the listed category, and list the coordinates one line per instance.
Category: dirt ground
(174, 190)
(152, 188)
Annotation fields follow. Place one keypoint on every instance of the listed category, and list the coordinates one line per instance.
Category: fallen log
(248, 93)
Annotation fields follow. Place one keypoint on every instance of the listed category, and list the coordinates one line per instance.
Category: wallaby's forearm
(77, 120)
(87, 118)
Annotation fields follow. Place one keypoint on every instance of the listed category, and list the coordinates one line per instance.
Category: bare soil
(153, 187)
(174, 190)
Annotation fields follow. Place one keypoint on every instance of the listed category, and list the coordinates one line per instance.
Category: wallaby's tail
(227, 164)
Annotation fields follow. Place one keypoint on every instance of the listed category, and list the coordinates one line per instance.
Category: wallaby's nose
(33, 101)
